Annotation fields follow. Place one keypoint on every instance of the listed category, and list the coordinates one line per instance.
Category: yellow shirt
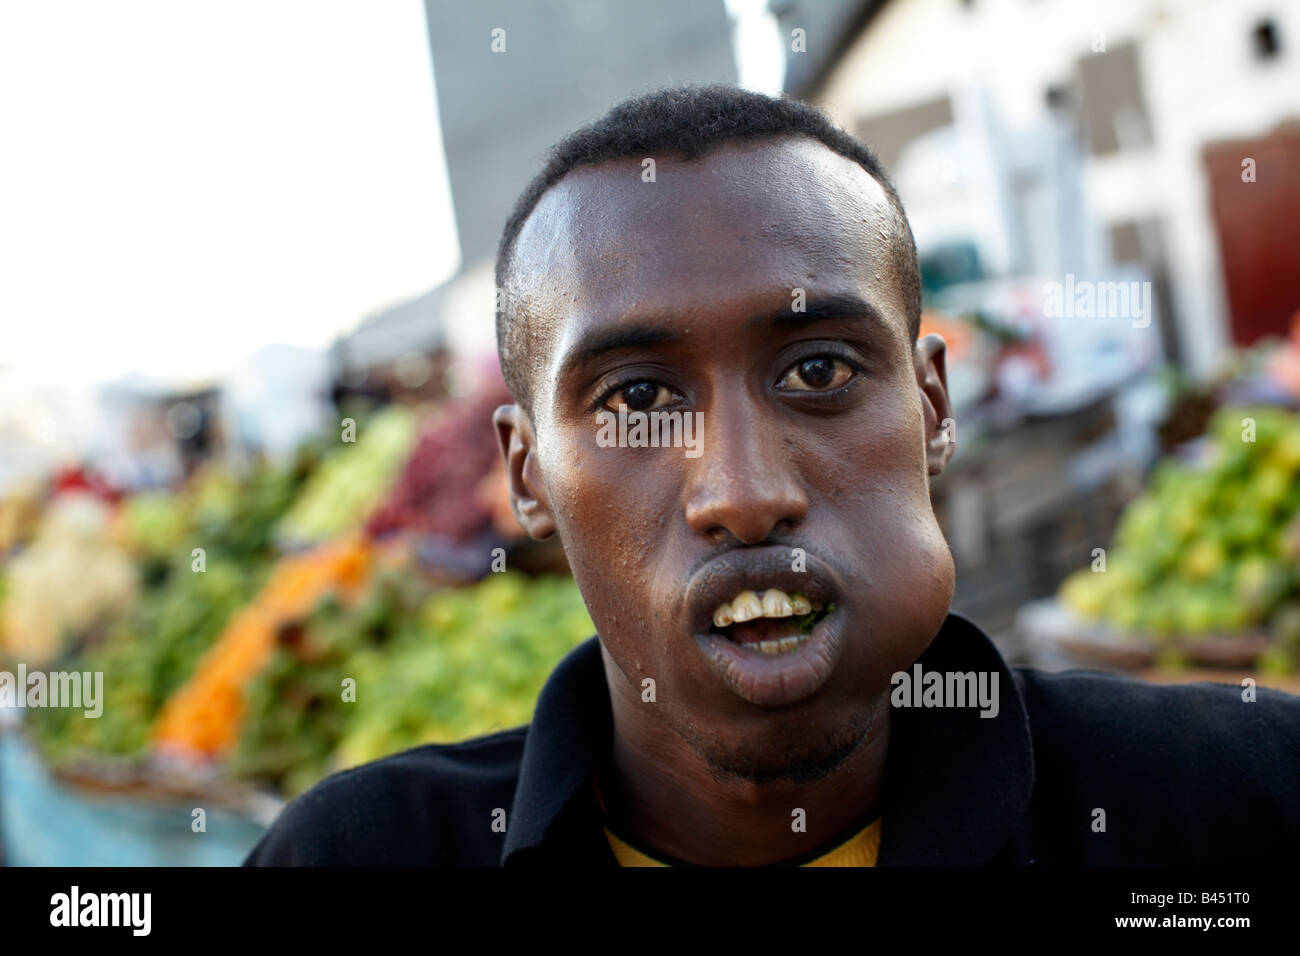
(860, 849)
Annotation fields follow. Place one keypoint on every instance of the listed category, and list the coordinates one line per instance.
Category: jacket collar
(957, 785)
(572, 725)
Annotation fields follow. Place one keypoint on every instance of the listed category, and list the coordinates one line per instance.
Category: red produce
(436, 493)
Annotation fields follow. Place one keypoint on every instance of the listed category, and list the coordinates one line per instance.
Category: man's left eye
(639, 397)
(820, 374)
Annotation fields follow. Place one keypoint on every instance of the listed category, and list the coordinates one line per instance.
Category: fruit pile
(148, 648)
(426, 667)
(1212, 549)
(72, 577)
(351, 480)
(229, 615)
(229, 515)
(438, 492)
(298, 704)
(235, 515)
(203, 717)
(145, 656)
(474, 663)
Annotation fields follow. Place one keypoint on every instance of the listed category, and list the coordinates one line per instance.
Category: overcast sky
(183, 182)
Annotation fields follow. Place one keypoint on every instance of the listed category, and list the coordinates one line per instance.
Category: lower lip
(777, 680)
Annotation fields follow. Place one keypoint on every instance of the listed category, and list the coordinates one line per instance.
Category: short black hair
(686, 122)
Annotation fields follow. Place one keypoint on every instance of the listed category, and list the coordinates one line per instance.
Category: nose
(744, 481)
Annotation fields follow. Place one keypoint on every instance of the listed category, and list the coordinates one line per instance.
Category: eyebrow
(623, 337)
(819, 308)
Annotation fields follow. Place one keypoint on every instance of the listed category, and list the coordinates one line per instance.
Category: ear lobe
(528, 497)
(932, 379)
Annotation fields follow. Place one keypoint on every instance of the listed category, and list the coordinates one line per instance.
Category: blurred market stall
(260, 626)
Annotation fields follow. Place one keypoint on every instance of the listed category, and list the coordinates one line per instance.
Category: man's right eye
(639, 396)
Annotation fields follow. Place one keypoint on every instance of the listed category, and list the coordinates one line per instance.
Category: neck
(663, 794)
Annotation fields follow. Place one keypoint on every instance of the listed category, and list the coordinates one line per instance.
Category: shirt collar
(956, 784)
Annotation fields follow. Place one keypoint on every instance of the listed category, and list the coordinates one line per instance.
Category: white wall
(1199, 83)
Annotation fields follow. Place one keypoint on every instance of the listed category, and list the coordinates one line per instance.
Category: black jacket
(1185, 774)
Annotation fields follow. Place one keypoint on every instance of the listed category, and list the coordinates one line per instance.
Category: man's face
(819, 428)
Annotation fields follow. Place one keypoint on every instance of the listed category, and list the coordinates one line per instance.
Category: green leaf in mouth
(807, 622)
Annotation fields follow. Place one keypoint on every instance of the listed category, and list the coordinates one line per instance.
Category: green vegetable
(440, 666)
(1208, 550)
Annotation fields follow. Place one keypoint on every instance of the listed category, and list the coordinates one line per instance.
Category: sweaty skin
(700, 269)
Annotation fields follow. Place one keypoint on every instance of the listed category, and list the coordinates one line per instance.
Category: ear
(932, 379)
(518, 447)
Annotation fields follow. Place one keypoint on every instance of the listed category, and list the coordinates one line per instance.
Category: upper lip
(754, 569)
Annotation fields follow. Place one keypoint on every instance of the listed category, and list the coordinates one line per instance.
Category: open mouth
(769, 621)
(771, 632)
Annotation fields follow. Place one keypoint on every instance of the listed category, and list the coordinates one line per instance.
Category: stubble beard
(800, 763)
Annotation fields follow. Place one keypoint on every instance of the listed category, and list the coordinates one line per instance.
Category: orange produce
(203, 717)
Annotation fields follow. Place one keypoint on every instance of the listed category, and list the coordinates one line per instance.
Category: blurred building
(513, 78)
(1056, 138)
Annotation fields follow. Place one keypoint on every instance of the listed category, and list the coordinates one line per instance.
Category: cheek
(898, 519)
(903, 629)
(607, 502)
(874, 461)
(882, 522)
(611, 507)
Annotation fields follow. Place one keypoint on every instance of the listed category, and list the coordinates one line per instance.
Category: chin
(757, 754)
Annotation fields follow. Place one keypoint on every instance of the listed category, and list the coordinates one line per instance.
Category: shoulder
(428, 805)
(1093, 708)
(1174, 767)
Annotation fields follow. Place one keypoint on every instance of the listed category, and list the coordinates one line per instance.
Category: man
(777, 677)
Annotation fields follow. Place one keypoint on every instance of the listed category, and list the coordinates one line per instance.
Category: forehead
(738, 228)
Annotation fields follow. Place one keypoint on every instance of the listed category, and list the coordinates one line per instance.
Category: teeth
(776, 604)
(782, 646)
(773, 602)
(722, 616)
(746, 607)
